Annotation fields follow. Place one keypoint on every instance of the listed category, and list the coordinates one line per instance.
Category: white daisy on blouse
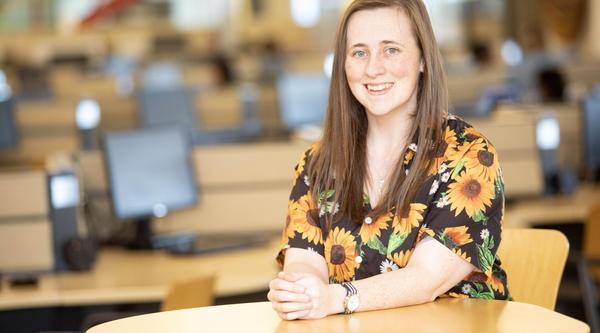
(434, 187)
(484, 234)
(306, 181)
(336, 209)
(388, 266)
(466, 288)
(445, 177)
(413, 147)
(443, 168)
(443, 201)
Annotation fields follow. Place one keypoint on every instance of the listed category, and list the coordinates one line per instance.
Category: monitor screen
(150, 172)
(302, 99)
(8, 127)
(168, 107)
(591, 126)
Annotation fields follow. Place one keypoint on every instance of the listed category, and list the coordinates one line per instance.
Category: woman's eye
(392, 51)
(359, 53)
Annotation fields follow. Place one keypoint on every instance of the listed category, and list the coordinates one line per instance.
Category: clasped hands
(302, 296)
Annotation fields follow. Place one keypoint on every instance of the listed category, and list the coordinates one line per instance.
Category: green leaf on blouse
(366, 199)
(396, 240)
(457, 169)
(479, 292)
(486, 259)
(375, 244)
(480, 217)
(499, 186)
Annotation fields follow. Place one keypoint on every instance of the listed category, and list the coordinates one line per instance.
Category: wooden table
(121, 276)
(558, 209)
(444, 315)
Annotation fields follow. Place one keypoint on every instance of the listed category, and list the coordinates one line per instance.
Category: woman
(400, 203)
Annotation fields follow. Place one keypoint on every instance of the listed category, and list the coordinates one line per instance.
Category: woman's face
(383, 61)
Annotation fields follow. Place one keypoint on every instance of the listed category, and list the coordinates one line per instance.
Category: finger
(279, 284)
(286, 307)
(296, 315)
(286, 296)
(292, 277)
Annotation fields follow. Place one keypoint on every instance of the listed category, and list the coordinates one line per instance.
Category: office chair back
(591, 245)
(192, 293)
(534, 260)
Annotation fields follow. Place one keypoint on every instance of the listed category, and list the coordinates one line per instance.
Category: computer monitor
(591, 133)
(302, 99)
(167, 107)
(9, 137)
(150, 172)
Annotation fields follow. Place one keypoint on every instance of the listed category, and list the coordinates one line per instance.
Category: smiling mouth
(379, 88)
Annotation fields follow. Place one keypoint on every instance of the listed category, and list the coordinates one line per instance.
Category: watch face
(353, 303)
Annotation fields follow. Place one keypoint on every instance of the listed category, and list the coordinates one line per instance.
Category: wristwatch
(351, 301)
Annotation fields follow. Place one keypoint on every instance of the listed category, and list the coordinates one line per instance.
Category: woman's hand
(288, 298)
(322, 300)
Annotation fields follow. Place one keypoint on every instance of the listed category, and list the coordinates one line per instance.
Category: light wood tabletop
(443, 315)
(557, 209)
(121, 276)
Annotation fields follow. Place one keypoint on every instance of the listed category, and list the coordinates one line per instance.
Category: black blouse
(460, 204)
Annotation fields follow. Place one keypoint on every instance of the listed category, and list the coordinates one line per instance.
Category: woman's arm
(432, 270)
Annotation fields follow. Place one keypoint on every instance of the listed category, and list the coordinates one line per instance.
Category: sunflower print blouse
(460, 204)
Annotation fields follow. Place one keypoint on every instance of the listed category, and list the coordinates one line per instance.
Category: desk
(121, 276)
(553, 209)
(444, 315)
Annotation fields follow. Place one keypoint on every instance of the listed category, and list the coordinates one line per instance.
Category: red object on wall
(104, 10)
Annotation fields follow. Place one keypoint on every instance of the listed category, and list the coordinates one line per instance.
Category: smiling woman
(400, 202)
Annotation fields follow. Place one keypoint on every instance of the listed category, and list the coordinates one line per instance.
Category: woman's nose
(375, 66)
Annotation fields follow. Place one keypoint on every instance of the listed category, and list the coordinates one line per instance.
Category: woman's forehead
(374, 26)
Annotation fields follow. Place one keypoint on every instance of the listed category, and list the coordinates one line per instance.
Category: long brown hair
(339, 162)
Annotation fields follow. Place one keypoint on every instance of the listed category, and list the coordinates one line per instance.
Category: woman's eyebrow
(358, 45)
(387, 42)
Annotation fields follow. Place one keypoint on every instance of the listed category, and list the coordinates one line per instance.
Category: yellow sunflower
(470, 193)
(401, 258)
(462, 254)
(302, 162)
(445, 151)
(368, 231)
(496, 284)
(305, 219)
(482, 160)
(456, 295)
(299, 168)
(471, 134)
(458, 236)
(412, 219)
(340, 251)
(408, 156)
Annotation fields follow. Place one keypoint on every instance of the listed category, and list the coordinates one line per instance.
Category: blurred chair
(189, 293)
(534, 260)
(192, 293)
(588, 267)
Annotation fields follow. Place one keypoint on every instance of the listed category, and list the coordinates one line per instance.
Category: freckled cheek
(353, 72)
(399, 69)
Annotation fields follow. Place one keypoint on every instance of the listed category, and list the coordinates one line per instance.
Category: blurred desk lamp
(87, 118)
(548, 140)
(9, 137)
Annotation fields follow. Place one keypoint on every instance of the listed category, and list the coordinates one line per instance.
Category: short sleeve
(467, 209)
(303, 224)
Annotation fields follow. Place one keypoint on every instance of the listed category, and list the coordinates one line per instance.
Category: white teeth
(379, 87)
